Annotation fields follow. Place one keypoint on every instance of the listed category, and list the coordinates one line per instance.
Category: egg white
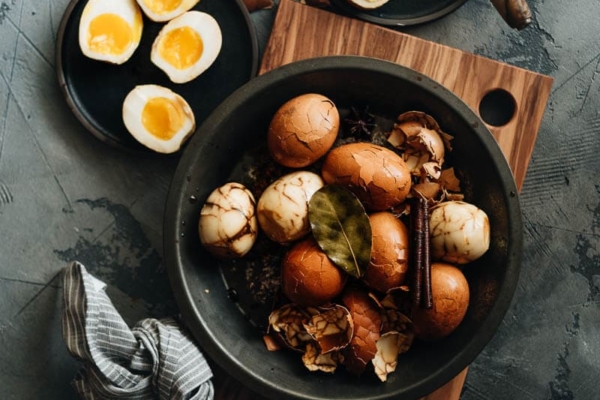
(367, 4)
(209, 31)
(133, 107)
(126, 9)
(184, 6)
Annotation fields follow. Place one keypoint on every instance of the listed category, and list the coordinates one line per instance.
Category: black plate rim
(176, 199)
(392, 21)
(72, 105)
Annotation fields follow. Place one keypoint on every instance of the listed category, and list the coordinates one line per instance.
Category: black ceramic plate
(402, 12)
(95, 90)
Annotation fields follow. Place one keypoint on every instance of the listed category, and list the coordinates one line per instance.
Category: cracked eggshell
(303, 130)
(376, 175)
(459, 232)
(283, 207)
(389, 252)
(450, 291)
(365, 313)
(308, 277)
(228, 227)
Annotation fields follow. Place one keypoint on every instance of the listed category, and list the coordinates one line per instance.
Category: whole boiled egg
(158, 118)
(110, 30)
(165, 10)
(187, 45)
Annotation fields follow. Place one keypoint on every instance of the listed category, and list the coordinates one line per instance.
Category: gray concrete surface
(64, 195)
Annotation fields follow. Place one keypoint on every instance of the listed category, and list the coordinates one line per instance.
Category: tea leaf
(341, 227)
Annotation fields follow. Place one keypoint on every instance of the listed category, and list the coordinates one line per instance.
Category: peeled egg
(283, 207)
(158, 118)
(110, 30)
(165, 10)
(187, 45)
(227, 224)
(460, 232)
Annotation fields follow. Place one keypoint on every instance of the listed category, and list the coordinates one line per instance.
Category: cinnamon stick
(416, 223)
(427, 296)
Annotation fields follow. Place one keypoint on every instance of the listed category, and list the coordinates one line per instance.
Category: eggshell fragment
(303, 130)
(367, 324)
(450, 291)
(308, 277)
(389, 252)
(376, 175)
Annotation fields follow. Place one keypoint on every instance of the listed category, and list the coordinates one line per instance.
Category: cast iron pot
(239, 124)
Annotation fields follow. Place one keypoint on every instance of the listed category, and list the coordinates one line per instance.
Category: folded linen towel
(156, 359)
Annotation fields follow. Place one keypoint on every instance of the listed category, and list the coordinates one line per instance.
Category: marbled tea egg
(110, 30)
(460, 232)
(283, 207)
(228, 227)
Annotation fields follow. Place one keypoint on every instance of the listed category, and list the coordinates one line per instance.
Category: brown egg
(389, 252)
(303, 130)
(376, 175)
(308, 277)
(367, 325)
(450, 292)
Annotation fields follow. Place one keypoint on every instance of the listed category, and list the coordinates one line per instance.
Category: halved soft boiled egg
(110, 30)
(165, 10)
(158, 118)
(187, 45)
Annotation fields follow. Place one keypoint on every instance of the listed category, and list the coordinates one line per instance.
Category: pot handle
(516, 13)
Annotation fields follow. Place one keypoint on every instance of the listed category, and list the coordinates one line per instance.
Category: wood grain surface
(301, 32)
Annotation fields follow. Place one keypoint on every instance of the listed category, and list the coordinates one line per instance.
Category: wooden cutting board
(301, 32)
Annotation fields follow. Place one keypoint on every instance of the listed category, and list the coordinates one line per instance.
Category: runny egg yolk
(163, 117)
(181, 47)
(162, 6)
(109, 34)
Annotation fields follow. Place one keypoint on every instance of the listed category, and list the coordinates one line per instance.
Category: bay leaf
(341, 227)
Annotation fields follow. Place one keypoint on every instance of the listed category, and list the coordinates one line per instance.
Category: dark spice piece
(361, 124)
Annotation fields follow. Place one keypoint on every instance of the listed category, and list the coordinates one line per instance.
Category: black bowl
(217, 154)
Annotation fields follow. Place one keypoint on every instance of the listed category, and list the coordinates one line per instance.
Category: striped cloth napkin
(155, 360)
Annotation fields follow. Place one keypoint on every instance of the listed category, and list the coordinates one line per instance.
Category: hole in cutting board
(497, 107)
